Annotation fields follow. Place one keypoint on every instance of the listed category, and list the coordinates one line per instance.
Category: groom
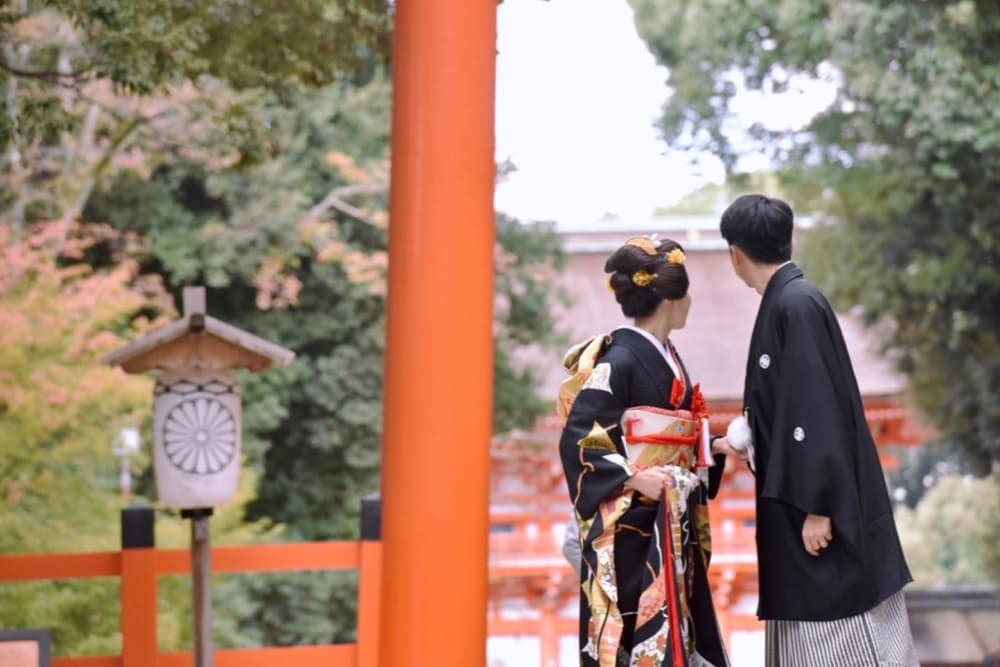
(830, 564)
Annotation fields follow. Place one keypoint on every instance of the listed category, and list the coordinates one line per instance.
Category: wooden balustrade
(138, 570)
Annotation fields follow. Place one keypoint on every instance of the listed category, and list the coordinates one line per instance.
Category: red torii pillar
(439, 350)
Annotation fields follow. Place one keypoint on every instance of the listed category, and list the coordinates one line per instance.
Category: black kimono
(623, 611)
(814, 454)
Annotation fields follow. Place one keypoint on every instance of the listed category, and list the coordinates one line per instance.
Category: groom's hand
(817, 533)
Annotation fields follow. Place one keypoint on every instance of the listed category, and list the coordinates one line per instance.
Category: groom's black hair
(761, 227)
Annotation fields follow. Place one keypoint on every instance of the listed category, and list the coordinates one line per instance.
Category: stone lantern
(197, 413)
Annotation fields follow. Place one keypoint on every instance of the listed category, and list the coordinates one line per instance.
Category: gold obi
(658, 437)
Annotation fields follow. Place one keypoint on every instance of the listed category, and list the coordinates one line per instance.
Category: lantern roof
(198, 341)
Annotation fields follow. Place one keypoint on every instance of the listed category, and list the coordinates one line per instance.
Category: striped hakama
(879, 637)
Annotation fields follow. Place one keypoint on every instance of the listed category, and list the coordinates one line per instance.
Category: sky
(578, 96)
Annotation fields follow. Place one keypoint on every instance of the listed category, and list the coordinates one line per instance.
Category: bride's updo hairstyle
(644, 272)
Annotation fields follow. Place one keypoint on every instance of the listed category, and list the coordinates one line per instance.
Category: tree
(60, 407)
(526, 261)
(88, 86)
(900, 169)
(946, 540)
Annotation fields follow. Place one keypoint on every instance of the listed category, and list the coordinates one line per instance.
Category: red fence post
(138, 588)
(369, 576)
(549, 635)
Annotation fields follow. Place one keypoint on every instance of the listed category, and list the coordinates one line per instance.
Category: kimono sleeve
(811, 464)
(591, 446)
(715, 475)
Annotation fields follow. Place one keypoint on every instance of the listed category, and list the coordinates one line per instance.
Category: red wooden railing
(519, 558)
(138, 570)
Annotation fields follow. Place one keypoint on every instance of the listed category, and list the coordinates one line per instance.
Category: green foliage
(287, 609)
(711, 198)
(528, 258)
(141, 46)
(902, 167)
(90, 88)
(950, 537)
(83, 615)
(60, 407)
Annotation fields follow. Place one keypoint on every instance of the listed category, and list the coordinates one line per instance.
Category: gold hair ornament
(607, 285)
(643, 243)
(676, 256)
(642, 277)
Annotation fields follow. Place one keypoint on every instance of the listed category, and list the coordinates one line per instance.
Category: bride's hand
(722, 446)
(648, 482)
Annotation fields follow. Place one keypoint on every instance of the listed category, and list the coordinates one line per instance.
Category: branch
(334, 200)
(43, 74)
(70, 214)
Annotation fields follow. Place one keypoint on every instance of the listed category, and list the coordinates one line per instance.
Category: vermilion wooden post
(549, 636)
(138, 588)
(439, 340)
(369, 574)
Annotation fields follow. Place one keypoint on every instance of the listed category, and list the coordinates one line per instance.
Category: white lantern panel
(197, 433)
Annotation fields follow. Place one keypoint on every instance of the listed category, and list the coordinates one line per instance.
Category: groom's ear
(737, 256)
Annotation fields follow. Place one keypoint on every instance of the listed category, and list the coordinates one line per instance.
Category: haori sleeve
(811, 463)
(591, 446)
